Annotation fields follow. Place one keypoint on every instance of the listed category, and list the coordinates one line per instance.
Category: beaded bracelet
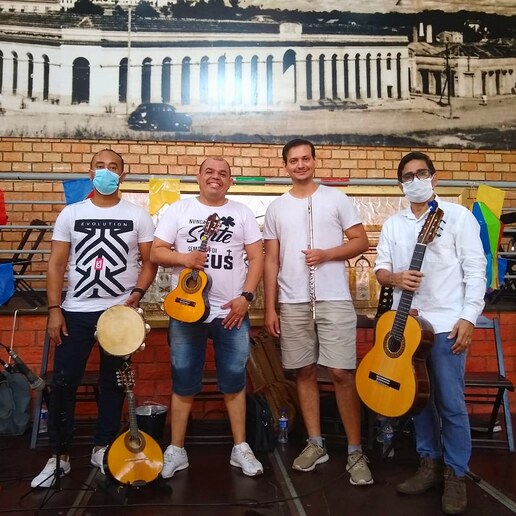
(53, 306)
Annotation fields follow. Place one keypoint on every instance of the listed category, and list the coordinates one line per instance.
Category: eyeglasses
(422, 173)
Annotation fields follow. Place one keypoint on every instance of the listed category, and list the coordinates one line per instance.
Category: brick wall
(152, 365)
(182, 158)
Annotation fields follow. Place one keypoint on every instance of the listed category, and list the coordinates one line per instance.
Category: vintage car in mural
(156, 116)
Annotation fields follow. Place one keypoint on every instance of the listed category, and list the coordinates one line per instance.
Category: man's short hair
(110, 150)
(296, 143)
(412, 156)
(216, 158)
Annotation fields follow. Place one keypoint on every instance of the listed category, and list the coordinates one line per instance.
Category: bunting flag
(491, 233)
(6, 282)
(3, 212)
(77, 190)
(162, 192)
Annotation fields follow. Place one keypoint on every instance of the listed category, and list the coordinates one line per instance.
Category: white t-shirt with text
(103, 261)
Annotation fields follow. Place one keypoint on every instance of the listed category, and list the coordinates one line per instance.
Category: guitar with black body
(392, 378)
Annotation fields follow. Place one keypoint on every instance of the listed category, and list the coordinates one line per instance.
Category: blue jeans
(442, 428)
(70, 359)
(188, 354)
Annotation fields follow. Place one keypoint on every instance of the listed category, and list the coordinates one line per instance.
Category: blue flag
(76, 190)
(6, 282)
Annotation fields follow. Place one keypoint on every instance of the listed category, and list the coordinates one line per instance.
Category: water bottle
(43, 418)
(283, 426)
(387, 435)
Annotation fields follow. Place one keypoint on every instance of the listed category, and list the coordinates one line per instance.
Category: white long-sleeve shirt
(454, 264)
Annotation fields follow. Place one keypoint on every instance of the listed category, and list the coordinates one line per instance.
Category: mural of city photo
(399, 72)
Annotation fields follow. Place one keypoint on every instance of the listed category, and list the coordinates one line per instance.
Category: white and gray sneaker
(97, 458)
(175, 459)
(243, 457)
(48, 476)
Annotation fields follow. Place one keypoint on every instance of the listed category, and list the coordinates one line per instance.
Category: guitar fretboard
(400, 320)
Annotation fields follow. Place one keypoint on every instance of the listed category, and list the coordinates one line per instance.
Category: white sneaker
(174, 459)
(97, 458)
(243, 457)
(47, 478)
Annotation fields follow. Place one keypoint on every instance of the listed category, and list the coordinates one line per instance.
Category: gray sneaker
(174, 459)
(359, 470)
(310, 457)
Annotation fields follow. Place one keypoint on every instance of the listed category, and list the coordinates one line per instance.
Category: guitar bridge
(384, 380)
(185, 302)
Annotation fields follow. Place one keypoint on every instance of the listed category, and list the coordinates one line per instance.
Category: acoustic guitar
(188, 302)
(392, 378)
(134, 458)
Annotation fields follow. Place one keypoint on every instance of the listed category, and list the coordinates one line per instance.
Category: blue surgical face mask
(105, 181)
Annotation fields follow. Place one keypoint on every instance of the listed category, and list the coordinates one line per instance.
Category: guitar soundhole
(394, 347)
(190, 284)
(135, 444)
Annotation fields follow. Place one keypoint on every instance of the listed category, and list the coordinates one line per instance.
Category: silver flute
(311, 284)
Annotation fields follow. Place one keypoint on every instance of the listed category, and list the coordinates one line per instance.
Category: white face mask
(419, 190)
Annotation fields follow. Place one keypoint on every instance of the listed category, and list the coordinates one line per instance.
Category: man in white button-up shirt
(448, 292)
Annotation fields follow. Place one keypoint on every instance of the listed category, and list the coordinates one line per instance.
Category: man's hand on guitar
(461, 332)
(195, 260)
(239, 307)
(407, 280)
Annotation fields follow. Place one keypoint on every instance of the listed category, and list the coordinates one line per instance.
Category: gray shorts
(332, 345)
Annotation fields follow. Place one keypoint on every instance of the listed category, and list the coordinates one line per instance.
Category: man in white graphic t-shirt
(234, 262)
(100, 242)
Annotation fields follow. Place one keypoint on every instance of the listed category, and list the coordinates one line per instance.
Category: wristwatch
(248, 295)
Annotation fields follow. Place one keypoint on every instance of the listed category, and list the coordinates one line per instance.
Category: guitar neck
(133, 424)
(203, 247)
(402, 313)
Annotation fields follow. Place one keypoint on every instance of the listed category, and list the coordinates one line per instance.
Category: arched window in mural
(46, 76)
(80, 81)
(269, 80)
(204, 80)
(398, 76)
(368, 75)
(322, 79)
(346, 76)
(166, 70)
(309, 64)
(238, 80)
(357, 76)
(30, 75)
(425, 88)
(185, 81)
(221, 80)
(122, 80)
(389, 62)
(289, 75)
(254, 80)
(15, 73)
(334, 92)
(379, 75)
(146, 79)
(438, 82)
(1, 71)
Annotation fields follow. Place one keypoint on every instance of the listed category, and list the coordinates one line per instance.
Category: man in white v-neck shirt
(309, 233)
